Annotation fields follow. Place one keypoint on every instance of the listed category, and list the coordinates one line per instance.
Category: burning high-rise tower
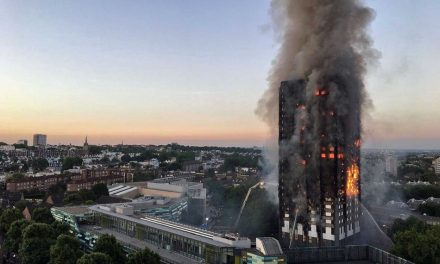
(319, 196)
(323, 56)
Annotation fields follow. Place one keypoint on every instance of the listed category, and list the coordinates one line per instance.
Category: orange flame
(357, 143)
(352, 180)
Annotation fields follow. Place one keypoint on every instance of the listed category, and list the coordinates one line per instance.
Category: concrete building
(193, 192)
(22, 142)
(40, 140)
(7, 148)
(174, 242)
(436, 165)
(192, 165)
(267, 251)
(391, 165)
(319, 167)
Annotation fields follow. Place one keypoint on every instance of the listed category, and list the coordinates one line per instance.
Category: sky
(154, 72)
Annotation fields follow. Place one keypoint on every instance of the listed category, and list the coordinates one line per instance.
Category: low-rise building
(192, 165)
(29, 183)
(391, 165)
(413, 204)
(87, 182)
(8, 199)
(267, 251)
(174, 242)
(436, 165)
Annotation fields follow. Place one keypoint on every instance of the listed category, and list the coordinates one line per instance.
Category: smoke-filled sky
(191, 72)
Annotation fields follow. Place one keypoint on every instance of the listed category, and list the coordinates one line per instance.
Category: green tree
(7, 217)
(20, 205)
(60, 228)
(69, 162)
(107, 244)
(95, 258)
(400, 225)
(37, 239)
(40, 164)
(13, 237)
(65, 251)
(94, 150)
(430, 208)
(80, 197)
(86, 195)
(419, 247)
(73, 198)
(104, 160)
(140, 175)
(143, 256)
(125, 158)
(25, 167)
(146, 155)
(15, 177)
(237, 160)
(57, 189)
(100, 189)
(42, 215)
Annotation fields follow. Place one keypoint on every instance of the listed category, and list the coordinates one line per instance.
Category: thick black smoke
(320, 39)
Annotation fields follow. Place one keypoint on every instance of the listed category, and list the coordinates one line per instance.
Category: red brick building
(90, 177)
(29, 183)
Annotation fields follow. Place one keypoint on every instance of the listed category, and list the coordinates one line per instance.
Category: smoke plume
(319, 39)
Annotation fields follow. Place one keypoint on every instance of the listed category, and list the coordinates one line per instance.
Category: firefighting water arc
(314, 106)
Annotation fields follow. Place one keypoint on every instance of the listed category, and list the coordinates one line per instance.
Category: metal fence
(342, 254)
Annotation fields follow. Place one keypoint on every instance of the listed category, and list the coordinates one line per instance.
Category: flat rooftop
(139, 244)
(187, 231)
(75, 210)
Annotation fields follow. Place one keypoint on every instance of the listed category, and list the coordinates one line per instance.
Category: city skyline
(150, 74)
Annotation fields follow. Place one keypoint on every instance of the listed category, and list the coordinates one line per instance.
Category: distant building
(22, 142)
(29, 183)
(391, 165)
(155, 163)
(86, 147)
(7, 148)
(108, 176)
(191, 165)
(8, 199)
(436, 165)
(40, 140)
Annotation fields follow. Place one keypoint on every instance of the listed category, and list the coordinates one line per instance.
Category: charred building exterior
(319, 150)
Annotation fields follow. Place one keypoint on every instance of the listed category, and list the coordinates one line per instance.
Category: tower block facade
(319, 173)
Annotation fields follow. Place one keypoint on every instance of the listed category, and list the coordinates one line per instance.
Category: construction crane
(244, 202)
